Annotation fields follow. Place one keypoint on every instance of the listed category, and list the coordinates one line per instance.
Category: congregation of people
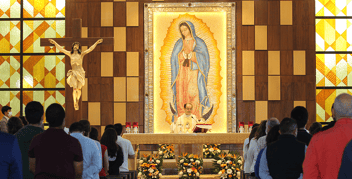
(273, 150)
(287, 150)
(27, 151)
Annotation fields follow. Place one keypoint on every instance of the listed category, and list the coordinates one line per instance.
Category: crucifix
(76, 76)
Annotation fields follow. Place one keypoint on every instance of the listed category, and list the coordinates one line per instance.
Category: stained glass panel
(325, 98)
(333, 70)
(333, 34)
(333, 7)
(46, 98)
(34, 30)
(10, 71)
(12, 99)
(43, 8)
(10, 8)
(10, 36)
(44, 71)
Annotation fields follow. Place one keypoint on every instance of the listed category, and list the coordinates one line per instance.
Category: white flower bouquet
(228, 165)
(150, 166)
(211, 150)
(189, 166)
(167, 151)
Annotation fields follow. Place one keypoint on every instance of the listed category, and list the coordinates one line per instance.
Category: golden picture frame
(209, 84)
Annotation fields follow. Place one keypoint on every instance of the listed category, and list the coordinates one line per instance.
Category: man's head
(55, 115)
(188, 108)
(93, 133)
(118, 128)
(86, 127)
(288, 126)
(34, 112)
(271, 123)
(343, 106)
(6, 110)
(300, 114)
(76, 127)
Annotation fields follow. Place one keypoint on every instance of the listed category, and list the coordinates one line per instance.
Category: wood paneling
(94, 89)
(119, 64)
(107, 89)
(120, 14)
(299, 36)
(107, 115)
(261, 12)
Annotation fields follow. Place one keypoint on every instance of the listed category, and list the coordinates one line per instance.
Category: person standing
(92, 160)
(10, 157)
(53, 153)
(127, 149)
(300, 114)
(6, 111)
(285, 156)
(324, 153)
(35, 115)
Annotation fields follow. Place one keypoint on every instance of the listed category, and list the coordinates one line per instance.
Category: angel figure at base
(76, 76)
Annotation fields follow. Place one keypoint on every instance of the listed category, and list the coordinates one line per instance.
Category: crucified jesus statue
(76, 76)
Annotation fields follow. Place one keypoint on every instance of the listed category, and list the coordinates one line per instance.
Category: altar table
(192, 138)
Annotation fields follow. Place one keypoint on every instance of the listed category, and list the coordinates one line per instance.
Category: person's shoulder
(262, 138)
(5, 137)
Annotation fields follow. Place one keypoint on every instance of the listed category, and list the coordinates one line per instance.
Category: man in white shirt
(6, 111)
(186, 122)
(127, 149)
(92, 160)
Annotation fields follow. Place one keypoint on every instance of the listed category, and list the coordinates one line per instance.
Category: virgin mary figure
(189, 72)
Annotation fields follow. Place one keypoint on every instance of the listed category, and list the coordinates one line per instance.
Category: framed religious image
(190, 51)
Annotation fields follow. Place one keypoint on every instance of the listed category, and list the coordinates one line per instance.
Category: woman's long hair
(79, 49)
(93, 134)
(14, 124)
(109, 139)
(273, 134)
(252, 134)
(261, 130)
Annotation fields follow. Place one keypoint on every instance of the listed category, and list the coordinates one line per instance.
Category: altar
(150, 141)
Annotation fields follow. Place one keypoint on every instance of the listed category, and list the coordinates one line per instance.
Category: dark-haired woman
(251, 154)
(115, 154)
(104, 153)
(14, 124)
(247, 164)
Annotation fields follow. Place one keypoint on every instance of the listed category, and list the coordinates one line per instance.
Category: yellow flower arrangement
(227, 165)
(150, 166)
(211, 150)
(189, 166)
(167, 151)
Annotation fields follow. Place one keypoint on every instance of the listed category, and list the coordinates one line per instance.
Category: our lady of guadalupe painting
(190, 66)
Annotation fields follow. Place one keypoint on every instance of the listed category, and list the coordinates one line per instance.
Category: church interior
(284, 53)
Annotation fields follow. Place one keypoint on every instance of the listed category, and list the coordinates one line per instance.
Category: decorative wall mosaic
(10, 71)
(34, 30)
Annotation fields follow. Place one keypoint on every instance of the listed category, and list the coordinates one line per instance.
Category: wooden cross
(77, 37)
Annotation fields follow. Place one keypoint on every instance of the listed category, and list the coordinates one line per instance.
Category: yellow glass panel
(274, 91)
(43, 8)
(44, 71)
(333, 34)
(46, 98)
(10, 8)
(333, 70)
(94, 113)
(333, 7)
(10, 71)
(261, 111)
(12, 99)
(34, 30)
(324, 100)
(10, 36)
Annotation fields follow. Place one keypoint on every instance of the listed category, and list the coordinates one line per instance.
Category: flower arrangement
(167, 151)
(189, 166)
(150, 166)
(211, 150)
(228, 165)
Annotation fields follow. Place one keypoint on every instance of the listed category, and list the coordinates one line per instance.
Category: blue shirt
(10, 157)
(92, 160)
